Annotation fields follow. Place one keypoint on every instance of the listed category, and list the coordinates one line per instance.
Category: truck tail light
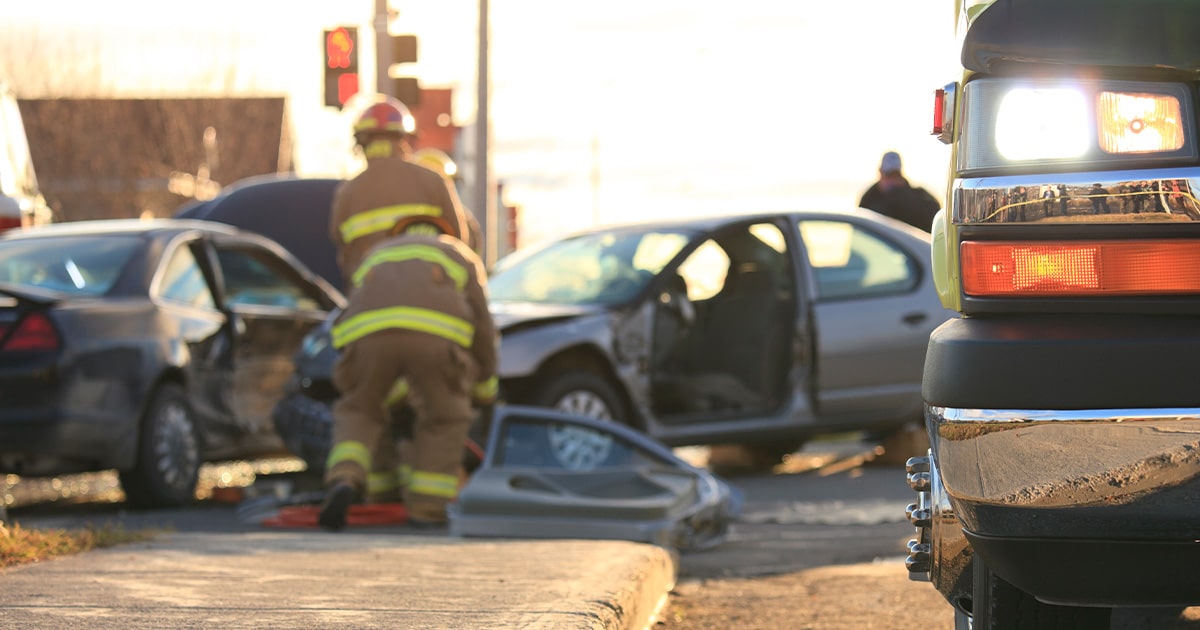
(943, 112)
(1011, 123)
(1080, 269)
(1140, 122)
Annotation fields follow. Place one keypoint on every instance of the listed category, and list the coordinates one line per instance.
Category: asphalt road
(821, 507)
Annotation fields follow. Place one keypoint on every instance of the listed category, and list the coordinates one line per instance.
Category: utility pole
(483, 201)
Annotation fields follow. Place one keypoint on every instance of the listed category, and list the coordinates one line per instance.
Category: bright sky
(613, 111)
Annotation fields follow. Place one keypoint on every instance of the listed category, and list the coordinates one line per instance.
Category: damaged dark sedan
(149, 347)
(764, 330)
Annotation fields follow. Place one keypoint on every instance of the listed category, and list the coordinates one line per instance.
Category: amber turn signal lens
(1080, 269)
(1139, 122)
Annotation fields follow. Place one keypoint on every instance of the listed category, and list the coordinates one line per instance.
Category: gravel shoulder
(873, 596)
(860, 596)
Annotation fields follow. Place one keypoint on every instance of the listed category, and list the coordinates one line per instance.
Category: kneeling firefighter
(365, 209)
(417, 315)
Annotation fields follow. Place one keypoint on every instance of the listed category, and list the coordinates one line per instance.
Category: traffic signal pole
(383, 49)
(484, 202)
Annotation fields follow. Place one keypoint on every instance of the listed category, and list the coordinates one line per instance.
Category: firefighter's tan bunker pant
(439, 374)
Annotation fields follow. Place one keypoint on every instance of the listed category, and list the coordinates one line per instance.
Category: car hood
(508, 315)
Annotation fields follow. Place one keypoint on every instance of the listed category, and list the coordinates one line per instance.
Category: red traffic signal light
(340, 69)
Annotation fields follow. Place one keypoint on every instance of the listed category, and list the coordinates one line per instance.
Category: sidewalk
(383, 578)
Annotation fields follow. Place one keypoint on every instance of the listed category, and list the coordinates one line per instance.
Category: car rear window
(79, 265)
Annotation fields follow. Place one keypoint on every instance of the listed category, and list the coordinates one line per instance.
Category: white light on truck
(1042, 124)
(1008, 124)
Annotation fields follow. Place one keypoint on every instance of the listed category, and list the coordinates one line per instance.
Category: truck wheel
(587, 394)
(168, 462)
(998, 605)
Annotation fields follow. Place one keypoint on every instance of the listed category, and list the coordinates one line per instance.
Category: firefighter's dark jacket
(430, 284)
(366, 208)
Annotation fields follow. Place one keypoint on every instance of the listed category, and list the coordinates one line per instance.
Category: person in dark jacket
(893, 196)
(417, 316)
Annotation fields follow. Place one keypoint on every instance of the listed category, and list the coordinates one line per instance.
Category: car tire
(587, 394)
(168, 453)
(581, 392)
(998, 605)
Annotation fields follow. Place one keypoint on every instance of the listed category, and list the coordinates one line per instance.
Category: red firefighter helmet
(385, 116)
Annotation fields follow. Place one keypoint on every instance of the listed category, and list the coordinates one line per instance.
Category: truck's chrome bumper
(1093, 460)
(1071, 506)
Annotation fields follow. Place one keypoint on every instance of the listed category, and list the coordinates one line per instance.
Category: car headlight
(1009, 123)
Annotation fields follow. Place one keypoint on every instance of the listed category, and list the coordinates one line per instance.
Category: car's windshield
(81, 265)
(600, 268)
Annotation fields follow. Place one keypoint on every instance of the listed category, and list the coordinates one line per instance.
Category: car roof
(709, 222)
(120, 226)
(292, 211)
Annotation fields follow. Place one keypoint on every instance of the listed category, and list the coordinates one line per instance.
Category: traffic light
(406, 89)
(341, 65)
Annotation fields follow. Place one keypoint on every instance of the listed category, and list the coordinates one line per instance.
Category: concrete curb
(314, 579)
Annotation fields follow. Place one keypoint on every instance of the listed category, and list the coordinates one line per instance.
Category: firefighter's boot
(336, 505)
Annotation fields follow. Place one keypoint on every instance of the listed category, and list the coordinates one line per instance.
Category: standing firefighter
(418, 315)
(391, 188)
(366, 208)
(444, 165)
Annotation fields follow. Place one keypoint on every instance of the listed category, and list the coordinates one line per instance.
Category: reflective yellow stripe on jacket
(349, 452)
(486, 389)
(383, 219)
(409, 317)
(433, 484)
(400, 253)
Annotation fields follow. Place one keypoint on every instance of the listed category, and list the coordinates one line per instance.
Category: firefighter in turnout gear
(390, 188)
(417, 315)
(396, 183)
(442, 164)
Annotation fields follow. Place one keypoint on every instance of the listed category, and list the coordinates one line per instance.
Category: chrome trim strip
(1134, 196)
(1054, 458)
(952, 415)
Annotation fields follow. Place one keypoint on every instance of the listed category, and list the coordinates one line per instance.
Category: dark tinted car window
(183, 282)
(81, 265)
(257, 277)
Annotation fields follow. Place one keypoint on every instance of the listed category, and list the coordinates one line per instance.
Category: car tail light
(9, 223)
(35, 332)
(1080, 269)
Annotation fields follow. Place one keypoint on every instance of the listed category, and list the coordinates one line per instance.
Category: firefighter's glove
(484, 392)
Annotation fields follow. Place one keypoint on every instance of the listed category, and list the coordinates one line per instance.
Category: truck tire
(998, 605)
